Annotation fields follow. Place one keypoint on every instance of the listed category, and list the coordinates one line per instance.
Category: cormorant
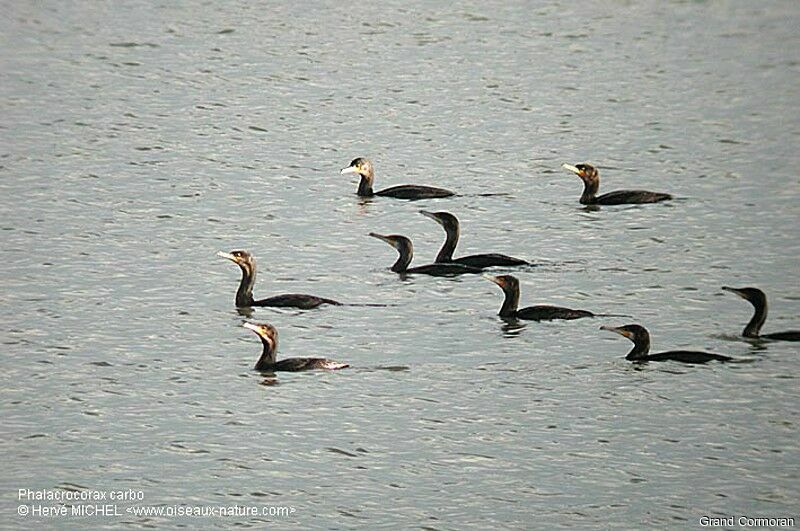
(758, 299)
(510, 287)
(244, 295)
(406, 250)
(451, 226)
(363, 167)
(591, 184)
(268, 363)
(641, 346)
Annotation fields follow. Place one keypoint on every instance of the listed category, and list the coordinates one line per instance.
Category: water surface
(137, 140)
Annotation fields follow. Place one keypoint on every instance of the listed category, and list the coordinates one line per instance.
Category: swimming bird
(406, 251)
(451, 226)
(267, 362)
(510, 286)
(591, 184)
(641, 347)
(364, 168)
(244, 295)
(758, 299)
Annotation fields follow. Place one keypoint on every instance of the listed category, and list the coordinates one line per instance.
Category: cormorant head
(634, 332)
(506, 282)
(241, 258)
(401, 243)
(445, 219)
(360, 166)
(267, 333)
(404, 249)
(585, 171)
(755, 296)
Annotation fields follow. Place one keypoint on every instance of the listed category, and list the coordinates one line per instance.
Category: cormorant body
(452, 228)
(406, 254)
(758, 299)
(244, 295)
(363, 167)
(510, 286)
(268, 363)
(591, 184)
(641, 348)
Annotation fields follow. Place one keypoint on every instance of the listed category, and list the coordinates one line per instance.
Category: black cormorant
(591, 184)
(268, 363)
(363, 167)
(641, 346)
(758, 299)
(406, 251)
(451, 226)
(510, 287)
(244, 295)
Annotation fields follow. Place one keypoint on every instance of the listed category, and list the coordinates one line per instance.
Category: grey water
(137, 139)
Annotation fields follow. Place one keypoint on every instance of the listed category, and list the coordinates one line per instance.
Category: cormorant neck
(267, 356)
(641, 347)
(365, 186)
(406, 255)
(449, 246)
(590, 188)
(753, 328)
(511, 301)
(244, 295)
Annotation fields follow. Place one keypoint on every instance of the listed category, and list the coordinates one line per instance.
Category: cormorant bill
(451, 226)
(268, 363)
(641, 347)
(406, 251)
(591, 184)
(244, 295)
(510, 286)
(758, 299)
(364, 168)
